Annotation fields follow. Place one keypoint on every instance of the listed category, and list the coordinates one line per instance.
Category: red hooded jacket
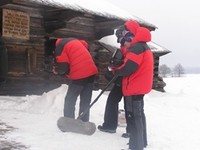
(141, 80)
(76, 54)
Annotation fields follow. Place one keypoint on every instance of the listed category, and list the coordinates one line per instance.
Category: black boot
(103, 129)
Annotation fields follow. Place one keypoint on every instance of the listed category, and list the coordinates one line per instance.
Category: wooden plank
(21, 42)
(104, 32)
(83, 20)
(73, 24)
(4, 2)
(36, 22)
(37, 31)
(79, 26)
(73, 33)
(33, 12)
(61, 14)
(112, 24)
(27, 3)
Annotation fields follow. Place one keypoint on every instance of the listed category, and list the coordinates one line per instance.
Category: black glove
(117, 58)
(62, 68)
(116, 62)
(108, 74)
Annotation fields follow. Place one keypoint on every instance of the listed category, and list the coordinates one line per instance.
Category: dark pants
(76, 88)
(136, 121)
(111, 110)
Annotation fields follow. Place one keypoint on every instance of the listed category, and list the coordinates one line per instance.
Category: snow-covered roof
(112, 41)
(156, 47)
(99, 8)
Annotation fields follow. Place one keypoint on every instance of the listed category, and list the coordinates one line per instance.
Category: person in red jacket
(73, 59)
(137, 73)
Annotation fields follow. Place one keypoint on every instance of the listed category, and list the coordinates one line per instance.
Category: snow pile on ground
(172, 120)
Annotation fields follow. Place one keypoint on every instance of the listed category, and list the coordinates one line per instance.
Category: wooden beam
(34, 12)
(65, 32)
(61, 14)
(106, 27)
(27, 3)
(51, 26)
(103, 32)
(55, 19)
(113, 24)
(4, 2)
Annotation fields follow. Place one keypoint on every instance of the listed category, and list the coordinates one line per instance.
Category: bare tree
(164, 70)
(178, 70)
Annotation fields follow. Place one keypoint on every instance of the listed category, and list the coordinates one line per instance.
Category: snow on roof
(99, 8)
(157, 48)
(112, 41)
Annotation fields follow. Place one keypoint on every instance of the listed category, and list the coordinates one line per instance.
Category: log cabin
(29, 29)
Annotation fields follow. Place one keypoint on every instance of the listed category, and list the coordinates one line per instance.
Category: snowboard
(66, 124)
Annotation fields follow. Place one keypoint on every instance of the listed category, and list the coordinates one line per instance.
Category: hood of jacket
(141, 34)
(132, 26)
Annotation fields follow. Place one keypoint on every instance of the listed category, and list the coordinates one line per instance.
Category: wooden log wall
(102, 58)
(26, 57)
(158, 83)
(78, 27)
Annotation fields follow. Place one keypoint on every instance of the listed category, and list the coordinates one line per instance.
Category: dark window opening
(49, 53)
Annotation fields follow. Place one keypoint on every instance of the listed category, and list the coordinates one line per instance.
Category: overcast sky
(178, 27)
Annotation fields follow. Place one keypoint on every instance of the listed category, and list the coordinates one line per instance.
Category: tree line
(176, 71)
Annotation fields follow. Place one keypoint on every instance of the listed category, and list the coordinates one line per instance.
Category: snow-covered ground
(173, 120)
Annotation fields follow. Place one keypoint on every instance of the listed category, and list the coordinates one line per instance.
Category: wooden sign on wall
(15, 24)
